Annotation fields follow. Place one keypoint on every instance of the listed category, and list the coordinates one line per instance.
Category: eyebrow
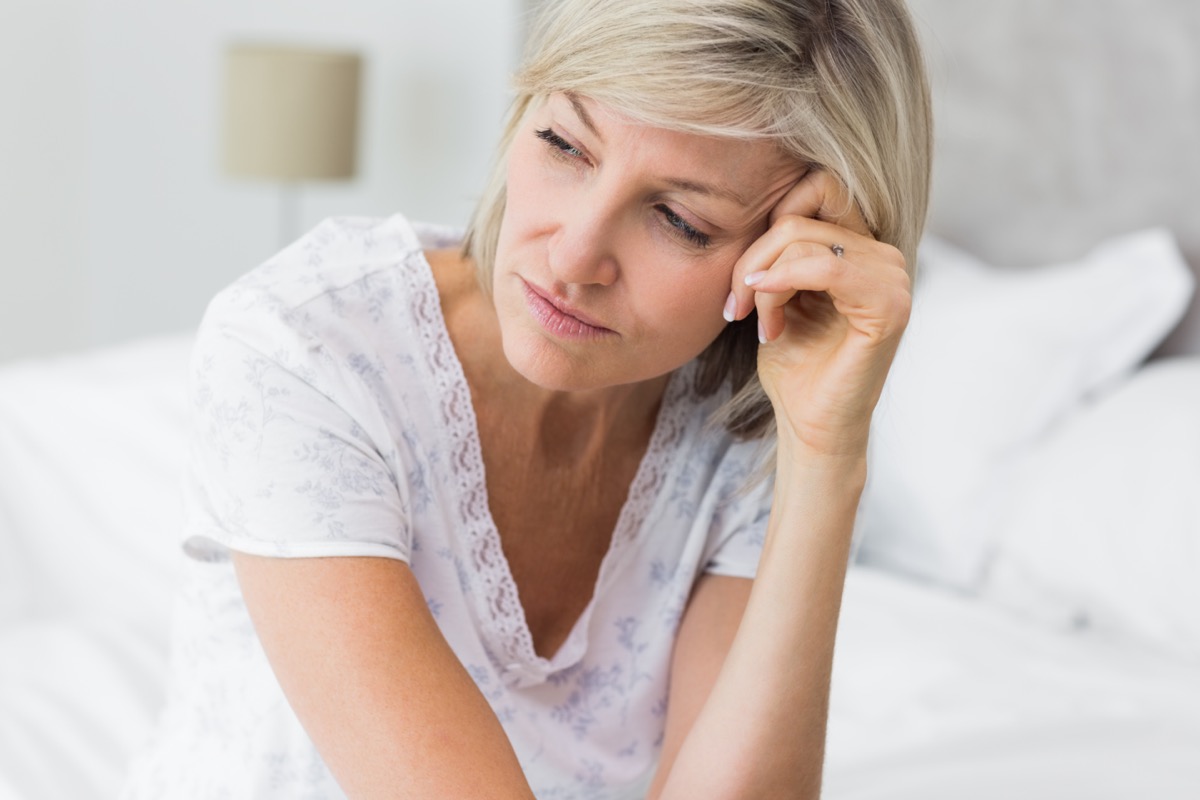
(706, 189)
(584, 116)
(675, 183)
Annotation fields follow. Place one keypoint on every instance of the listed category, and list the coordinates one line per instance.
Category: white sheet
(91, 448)
(77, 697)
(937, 696)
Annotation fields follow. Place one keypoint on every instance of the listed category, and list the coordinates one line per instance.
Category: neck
(559, 426)
(574, 425)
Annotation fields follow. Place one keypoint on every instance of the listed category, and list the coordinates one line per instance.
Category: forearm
(383, 697)
(761, 732)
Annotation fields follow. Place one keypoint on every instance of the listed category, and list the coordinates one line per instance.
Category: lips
(559, 317)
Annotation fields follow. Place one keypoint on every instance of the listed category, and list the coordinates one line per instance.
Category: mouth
(559, 318)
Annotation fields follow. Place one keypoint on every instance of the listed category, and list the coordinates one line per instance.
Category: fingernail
(755, 277)
(762, 333)
(730, 307)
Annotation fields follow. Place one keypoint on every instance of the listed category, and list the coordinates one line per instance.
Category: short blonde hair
(836, 84)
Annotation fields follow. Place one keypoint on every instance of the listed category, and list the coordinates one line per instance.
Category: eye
(681, 228)
(563, 148)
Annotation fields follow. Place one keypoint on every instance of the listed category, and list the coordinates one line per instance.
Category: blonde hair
(836, 84)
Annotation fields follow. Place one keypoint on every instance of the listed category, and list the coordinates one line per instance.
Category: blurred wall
(1061, 123)
(116, 219)
(42, 163)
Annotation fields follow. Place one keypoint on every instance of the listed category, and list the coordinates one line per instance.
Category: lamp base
(289, 201)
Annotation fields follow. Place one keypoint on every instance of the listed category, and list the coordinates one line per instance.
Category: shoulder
(339, 254)
(350, 310)
(349, 278)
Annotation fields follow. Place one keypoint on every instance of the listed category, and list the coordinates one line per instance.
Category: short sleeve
(740, 527)
(280, 464)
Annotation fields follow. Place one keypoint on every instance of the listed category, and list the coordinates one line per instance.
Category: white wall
(42, 161)
(117, 220)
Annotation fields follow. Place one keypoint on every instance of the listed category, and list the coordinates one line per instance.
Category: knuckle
(794, 251)
(890, 254)
(899, 309)
(793, 225)
(903, 306)
(904, 282)
(822, 178)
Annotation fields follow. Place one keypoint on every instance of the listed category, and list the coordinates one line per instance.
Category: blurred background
(116, 215)
(118, 220)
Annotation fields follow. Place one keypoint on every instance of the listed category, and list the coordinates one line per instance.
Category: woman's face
(619, 240)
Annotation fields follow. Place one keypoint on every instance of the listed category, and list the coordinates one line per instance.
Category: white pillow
(1105, 525)
(992, 358)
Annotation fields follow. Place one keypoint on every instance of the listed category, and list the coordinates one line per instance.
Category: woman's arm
(760, 732)
(387, 703)
(706, 633)
(832, 304)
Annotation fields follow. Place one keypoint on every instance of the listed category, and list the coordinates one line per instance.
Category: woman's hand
(830, 318)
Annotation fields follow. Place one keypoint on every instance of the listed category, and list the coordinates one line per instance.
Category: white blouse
(331, 417)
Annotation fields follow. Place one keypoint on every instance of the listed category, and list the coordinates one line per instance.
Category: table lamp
(291, 115)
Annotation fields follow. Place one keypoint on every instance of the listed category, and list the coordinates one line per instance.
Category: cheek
(535, 182)
(522, 197)
(519, 189)
(684, 301)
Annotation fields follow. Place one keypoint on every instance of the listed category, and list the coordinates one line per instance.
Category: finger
(804, 237)
(792, 235)
(770, 307)
(822, 196)
(818, 195)
(772, 290)
(877, 302)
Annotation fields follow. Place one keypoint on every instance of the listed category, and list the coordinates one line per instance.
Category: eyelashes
(677, 226)
(558, 143)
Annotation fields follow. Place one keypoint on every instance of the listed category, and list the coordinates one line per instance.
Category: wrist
(836, 482)
(796, 458)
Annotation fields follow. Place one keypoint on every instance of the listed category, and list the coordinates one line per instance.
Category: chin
(543, 364)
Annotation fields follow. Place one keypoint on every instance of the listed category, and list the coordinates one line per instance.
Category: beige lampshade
(291, 113)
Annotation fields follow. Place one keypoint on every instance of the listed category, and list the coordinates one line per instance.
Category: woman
(481, 520)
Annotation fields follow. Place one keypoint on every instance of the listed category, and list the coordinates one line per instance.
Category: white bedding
(941, 696)
(936, 695)
(91, 448)
(77, 696)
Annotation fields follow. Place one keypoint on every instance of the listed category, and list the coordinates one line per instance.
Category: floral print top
(331, 417)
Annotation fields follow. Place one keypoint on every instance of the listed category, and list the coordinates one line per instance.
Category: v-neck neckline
(492, 590)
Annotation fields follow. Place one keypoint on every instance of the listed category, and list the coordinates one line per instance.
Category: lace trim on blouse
(498, 608)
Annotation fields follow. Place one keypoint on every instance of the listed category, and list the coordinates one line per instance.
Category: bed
(1023, 616)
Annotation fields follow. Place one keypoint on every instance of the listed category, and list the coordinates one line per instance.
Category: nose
(581, 249)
